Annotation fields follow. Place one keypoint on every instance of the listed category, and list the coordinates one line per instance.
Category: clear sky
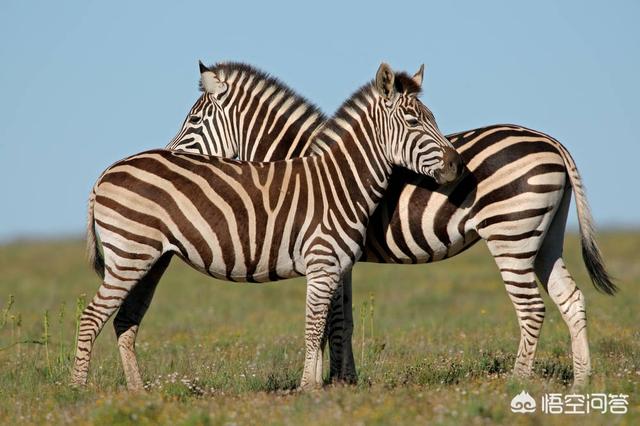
(83, 84)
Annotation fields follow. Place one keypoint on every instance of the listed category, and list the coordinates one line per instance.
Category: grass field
(433, 344)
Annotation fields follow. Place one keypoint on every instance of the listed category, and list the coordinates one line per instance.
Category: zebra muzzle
(452, 168)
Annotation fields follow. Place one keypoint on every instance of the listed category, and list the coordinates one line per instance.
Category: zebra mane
(228, 68)
(403, 83)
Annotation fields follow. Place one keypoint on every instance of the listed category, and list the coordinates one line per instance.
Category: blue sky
(83, 84)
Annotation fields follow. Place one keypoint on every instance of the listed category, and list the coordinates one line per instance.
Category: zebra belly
(282, 272)
(240, 259)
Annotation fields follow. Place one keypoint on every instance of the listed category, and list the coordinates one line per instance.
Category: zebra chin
(447, 175)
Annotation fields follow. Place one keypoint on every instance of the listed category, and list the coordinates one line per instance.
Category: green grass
(443, 345)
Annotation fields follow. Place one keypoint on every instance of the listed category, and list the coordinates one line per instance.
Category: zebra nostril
(453, 165)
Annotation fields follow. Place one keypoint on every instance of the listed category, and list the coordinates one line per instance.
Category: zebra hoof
(522, 372)
(308, 387)
(347, 380)
(579, 384)
(77, 384)
(136, 388)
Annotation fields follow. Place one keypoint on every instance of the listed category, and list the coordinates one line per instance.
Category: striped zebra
(257, 222)
(259, 118)
(515, 196)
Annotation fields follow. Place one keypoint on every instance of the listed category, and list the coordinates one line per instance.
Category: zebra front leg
(322, 282)
(520, 282)
(129, 317)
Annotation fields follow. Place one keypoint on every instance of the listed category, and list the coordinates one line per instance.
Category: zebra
(260, 118)
(515, 196)
(258, 222)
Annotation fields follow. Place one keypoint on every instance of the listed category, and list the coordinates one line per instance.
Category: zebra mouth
(452, 169)
(447, 175)
(442, 179)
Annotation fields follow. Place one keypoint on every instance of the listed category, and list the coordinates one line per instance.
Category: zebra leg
(129, 317)
(121, 276)
(348, 372)
(342, 364)
(518, 275)
(335, 329)
(322, 282)
(562, 289)
(106, 301)
(570, 301)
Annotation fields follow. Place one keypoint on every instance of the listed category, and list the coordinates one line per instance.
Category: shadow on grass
(280, 381)
(555, 369)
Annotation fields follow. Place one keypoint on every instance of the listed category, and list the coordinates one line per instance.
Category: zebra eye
(411, 120)
(194, 119)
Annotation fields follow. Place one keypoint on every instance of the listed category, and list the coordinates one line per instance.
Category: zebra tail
(590, 251)
(93, 253)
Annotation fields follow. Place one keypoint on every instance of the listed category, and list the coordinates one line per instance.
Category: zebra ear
(417, 77)
(385, 78)
(203, 67)
(210, 83)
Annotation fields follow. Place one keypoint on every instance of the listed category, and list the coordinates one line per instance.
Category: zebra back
(381, 125)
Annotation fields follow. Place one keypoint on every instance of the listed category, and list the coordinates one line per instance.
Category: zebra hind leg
(516, 268)
(322, 282)
(119, 280)
(562, 289)
(127, 321)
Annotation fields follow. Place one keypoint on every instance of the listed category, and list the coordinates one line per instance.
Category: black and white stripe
(515, 195)
(244, 113)
(256, 222)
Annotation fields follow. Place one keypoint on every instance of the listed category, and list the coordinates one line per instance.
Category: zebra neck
(272, 122)
(291, 140)
(355, 165)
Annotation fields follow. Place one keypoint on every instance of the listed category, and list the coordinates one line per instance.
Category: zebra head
(413, 138)
(204, 130)
(247, 114)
